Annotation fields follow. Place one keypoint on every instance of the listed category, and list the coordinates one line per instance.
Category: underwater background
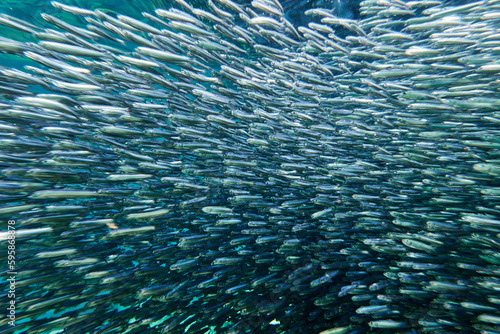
(265, 166)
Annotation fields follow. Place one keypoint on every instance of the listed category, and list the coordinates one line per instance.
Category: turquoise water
(247, 167)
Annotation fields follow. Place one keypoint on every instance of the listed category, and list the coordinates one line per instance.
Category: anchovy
(252, 166)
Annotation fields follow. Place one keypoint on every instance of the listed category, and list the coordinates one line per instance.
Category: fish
(261, 166)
